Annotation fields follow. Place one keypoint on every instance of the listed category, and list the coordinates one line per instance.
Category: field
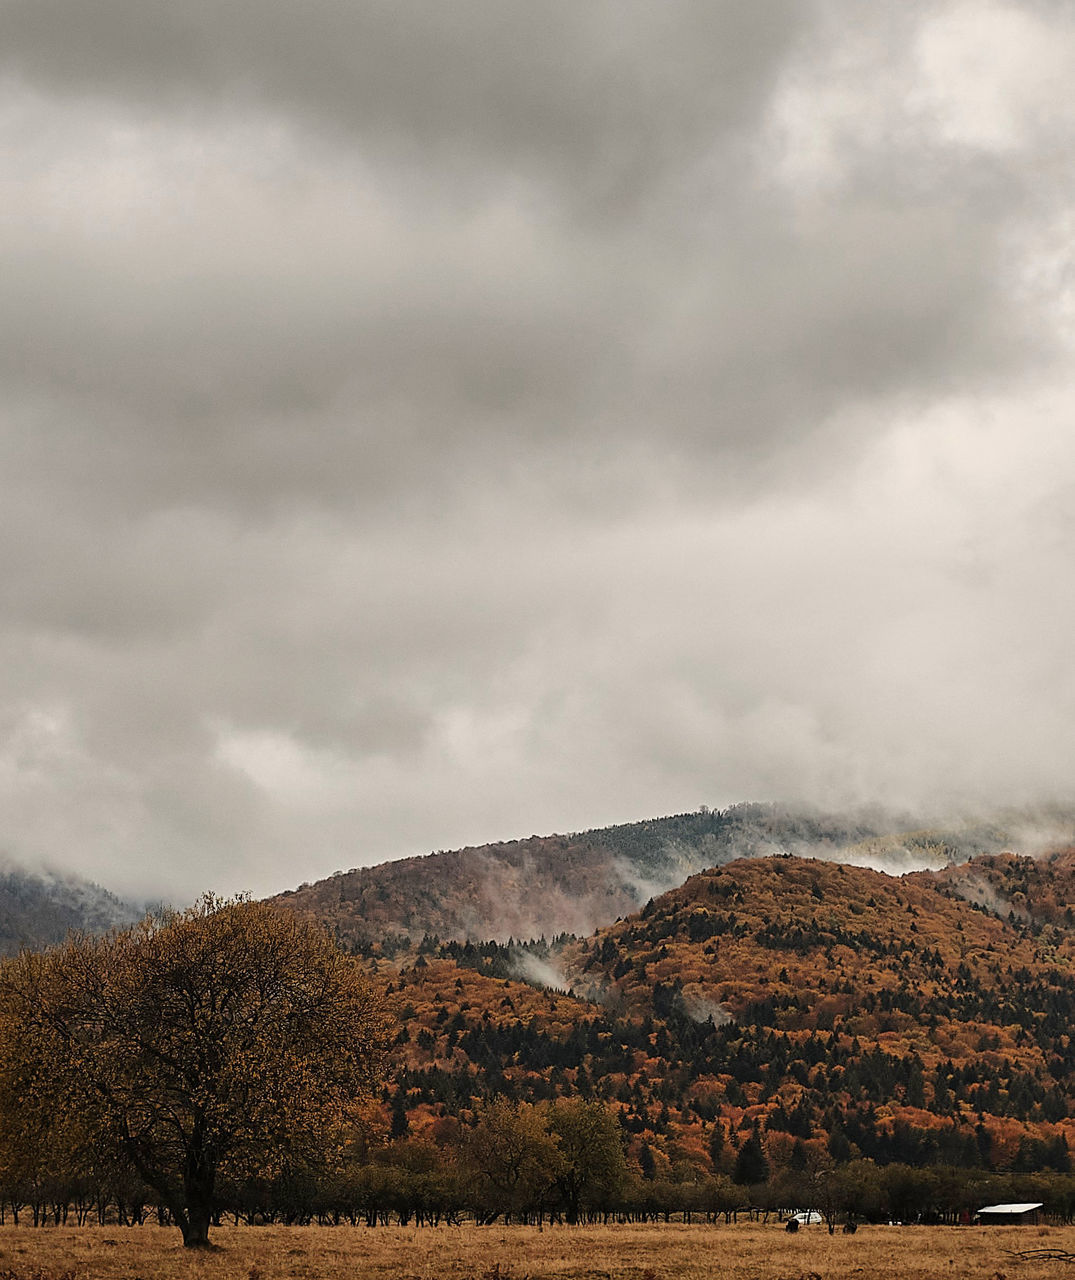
(737, 1252)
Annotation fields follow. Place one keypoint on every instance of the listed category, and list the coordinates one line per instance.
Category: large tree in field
(225, 1041)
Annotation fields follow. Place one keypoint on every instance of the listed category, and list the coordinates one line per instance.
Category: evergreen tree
(751, 1166)
(716, 1146)
(400, 1126)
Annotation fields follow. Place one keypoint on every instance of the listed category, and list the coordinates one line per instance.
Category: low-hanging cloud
(538, 971)
(434, 424)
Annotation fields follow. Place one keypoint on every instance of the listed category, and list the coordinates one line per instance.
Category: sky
(424, 424)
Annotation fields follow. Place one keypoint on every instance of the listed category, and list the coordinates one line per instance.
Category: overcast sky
(430, 423)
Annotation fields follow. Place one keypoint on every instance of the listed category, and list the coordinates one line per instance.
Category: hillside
(39, 909)
(547, 885)
(834, 1011)
(817, 942)
(1033, 891)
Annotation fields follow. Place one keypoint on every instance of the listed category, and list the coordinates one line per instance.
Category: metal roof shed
(999, 1214)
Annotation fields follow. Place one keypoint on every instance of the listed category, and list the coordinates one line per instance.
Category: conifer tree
(751, 1166)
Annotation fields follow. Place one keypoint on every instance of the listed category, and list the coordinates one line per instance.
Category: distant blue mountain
(40, 908)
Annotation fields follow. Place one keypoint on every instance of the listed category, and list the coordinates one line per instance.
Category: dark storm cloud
(685, 296)
(605, 96)
(425, 423)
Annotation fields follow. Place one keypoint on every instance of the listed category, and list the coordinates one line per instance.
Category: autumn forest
(776, 1032)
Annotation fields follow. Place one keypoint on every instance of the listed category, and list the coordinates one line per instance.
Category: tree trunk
(199, 1187)
(195, 1227)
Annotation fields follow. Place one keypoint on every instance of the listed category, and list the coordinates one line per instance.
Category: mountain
(547, 885)
(833, 1011)
(38, 909)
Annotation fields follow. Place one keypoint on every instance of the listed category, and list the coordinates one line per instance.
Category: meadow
(652, 1252)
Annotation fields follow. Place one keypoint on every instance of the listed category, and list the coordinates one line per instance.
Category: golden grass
(666, 1252)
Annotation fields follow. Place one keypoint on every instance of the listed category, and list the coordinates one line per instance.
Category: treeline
(561, 1163)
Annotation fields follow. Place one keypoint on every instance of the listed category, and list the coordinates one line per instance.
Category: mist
(422, 428)
(538, 972)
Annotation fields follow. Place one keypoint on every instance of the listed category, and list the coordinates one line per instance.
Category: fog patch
(656, 880)
(975, 888)
(1035, 836)
(892, 856)
(932, 843)
(539, 972)
(524, 902)
(700, 1008)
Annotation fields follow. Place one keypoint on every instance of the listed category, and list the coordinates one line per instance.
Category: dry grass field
(671, 1252)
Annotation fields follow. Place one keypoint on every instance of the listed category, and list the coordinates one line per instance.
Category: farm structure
(1010, 1214)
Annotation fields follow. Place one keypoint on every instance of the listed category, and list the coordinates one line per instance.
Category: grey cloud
(605, 95)
(431, 423)
(212, 385)
(234, 309)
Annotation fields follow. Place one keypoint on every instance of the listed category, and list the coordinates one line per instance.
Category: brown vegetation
(780, 1031)
(575, 883)
(225, 1042)
(873, 1015)
(671, 1251)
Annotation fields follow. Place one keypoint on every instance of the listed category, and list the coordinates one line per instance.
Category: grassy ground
(673, 1252)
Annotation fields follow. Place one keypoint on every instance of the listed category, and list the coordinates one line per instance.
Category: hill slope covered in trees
(577, 883)
(39, 909)
(816, 1011)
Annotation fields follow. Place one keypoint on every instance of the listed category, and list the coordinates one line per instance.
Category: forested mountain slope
(1035, 891)
(576, 883)
(783, 1030)
(38, 909)
(828, 1011)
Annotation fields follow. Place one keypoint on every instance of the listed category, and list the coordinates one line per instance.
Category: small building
(1010, 1214)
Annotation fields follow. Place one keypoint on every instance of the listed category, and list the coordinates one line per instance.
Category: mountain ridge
(576, 883)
